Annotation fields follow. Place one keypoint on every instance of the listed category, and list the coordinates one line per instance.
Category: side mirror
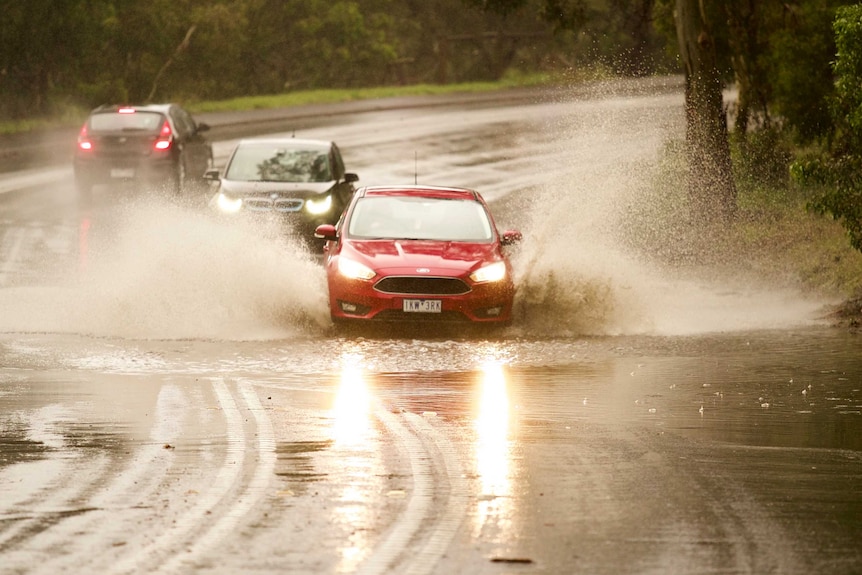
(203, 127)
(351, 177)
(212, 175)
(325, 232)
(510, 237)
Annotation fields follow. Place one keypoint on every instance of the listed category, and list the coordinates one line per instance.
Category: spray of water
(583, 180)
(157, 271)
(581, 268)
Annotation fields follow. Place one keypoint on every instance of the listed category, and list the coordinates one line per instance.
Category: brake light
(166, 138)
(126, 111)
(84, 142)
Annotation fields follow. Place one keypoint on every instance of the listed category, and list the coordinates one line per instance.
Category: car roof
(287, 142)
(446, 192)
(163, 108)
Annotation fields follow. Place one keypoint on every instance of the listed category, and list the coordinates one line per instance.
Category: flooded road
(174, 399)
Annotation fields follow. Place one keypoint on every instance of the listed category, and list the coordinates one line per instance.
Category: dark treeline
(57, 54)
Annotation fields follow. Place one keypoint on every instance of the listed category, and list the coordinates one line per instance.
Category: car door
(344, 183)
(196, 148)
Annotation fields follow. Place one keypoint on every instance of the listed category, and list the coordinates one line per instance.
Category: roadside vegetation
(73, 115)
(513, 80)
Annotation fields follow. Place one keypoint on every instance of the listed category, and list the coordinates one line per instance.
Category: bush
(840, 171)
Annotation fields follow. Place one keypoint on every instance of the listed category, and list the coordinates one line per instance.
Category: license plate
(124, 173)
(423, 305)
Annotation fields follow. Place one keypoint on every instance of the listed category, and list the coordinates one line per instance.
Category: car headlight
(228, 204)
(317, 207)
(491, 273)
(354, 270)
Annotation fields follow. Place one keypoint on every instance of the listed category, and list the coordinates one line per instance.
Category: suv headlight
(319, 206)
(228, 204)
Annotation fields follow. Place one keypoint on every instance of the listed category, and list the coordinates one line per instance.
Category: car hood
(238, 189)
(408, 256)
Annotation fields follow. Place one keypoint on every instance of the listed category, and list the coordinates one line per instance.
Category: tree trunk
(744, 24)
(711, 190)
(181, 48)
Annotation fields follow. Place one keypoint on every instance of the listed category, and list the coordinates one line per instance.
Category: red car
(418, 253)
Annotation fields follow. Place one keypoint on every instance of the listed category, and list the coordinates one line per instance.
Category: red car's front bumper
(352, 299)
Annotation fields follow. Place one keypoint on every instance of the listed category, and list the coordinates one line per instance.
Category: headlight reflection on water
(492, 426)
(351, 411)
(352, 435)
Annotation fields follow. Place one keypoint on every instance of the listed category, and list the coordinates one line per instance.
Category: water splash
(580, 268)
(158, 271)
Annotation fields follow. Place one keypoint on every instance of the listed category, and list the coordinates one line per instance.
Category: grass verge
(348, 95)
(72, 117)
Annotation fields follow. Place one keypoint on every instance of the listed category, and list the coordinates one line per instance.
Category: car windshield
(402, 217)
(128, 121)
(269, 162)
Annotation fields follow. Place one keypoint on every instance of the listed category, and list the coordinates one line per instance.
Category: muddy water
(799, 388)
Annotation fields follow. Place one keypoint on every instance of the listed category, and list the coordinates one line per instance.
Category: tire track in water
(449, 522)
(87, 516)
(48, 504)
(251, 494)
(122, 499)
(437, 478)
(67, 481)
(223, 505)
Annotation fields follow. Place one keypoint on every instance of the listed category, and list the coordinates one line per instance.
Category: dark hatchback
(304, 182)
(157, 145)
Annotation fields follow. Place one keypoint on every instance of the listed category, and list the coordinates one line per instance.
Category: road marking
(33, 178)
(15, 237)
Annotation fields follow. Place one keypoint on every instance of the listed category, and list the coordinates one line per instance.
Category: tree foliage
(799, 72)
(840, 171)
(57, 54)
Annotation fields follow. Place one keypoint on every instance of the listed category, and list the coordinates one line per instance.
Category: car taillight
(84, 142)
(166, 138)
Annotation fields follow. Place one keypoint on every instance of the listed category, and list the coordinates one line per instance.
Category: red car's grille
(422, 285)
